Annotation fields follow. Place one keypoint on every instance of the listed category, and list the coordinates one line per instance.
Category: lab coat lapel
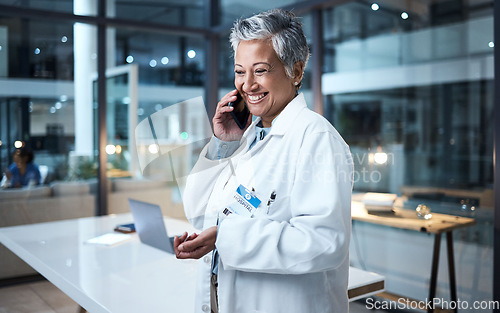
(244, 169)
(286, 118)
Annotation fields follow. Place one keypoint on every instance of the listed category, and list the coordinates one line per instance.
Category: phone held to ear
(240, 113)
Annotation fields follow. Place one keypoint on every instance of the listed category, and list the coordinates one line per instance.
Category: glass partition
(42, 82)
(410, 88)
(418, 88)
(121, 120)
(231, 10)
(434, 136)
(45, 107)
(183, 13)
(151, 126)
(65, 6)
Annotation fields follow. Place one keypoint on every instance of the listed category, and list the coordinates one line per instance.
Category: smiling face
(261, 79)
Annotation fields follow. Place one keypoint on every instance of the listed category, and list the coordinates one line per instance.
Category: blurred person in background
(23, 172)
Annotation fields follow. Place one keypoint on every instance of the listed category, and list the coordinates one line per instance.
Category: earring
(296, 83)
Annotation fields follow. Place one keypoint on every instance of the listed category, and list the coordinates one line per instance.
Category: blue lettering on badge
(245, 202)
(249, 196)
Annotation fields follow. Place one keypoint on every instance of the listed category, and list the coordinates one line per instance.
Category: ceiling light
(110, 149)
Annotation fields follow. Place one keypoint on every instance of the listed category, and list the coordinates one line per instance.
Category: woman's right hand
(225, 128)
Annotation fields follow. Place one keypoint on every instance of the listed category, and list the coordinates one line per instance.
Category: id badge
(245, 202)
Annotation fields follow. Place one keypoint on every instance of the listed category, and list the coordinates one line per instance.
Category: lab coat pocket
(275, 209)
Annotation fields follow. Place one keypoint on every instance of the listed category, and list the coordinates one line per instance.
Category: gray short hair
(282, 27)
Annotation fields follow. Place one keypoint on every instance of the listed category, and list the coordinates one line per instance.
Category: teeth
(255, 98)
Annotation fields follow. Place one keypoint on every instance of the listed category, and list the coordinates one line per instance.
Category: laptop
(148, 220)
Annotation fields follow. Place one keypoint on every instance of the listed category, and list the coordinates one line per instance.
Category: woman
(23, 172)
(284, 248)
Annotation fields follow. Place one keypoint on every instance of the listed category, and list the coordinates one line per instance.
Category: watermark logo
(426, 304)
(177, 131)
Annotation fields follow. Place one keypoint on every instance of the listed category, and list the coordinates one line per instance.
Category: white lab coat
(292, 256)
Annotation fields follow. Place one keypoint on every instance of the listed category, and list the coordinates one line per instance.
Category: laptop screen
(149, 224)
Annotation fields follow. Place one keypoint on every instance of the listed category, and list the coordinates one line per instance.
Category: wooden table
(437, 225)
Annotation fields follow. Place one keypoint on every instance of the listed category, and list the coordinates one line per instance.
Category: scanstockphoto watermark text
(367, 167)
(435, 303)
(329, 168)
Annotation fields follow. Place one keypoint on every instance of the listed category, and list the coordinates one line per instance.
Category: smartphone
(240, 113)
(125, 228)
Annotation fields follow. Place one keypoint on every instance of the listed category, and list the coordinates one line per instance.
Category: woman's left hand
(195, 246)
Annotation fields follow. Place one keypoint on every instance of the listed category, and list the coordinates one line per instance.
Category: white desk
(363, 284)
(127, 277)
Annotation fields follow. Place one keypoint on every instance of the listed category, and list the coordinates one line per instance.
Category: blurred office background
(408, 84)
